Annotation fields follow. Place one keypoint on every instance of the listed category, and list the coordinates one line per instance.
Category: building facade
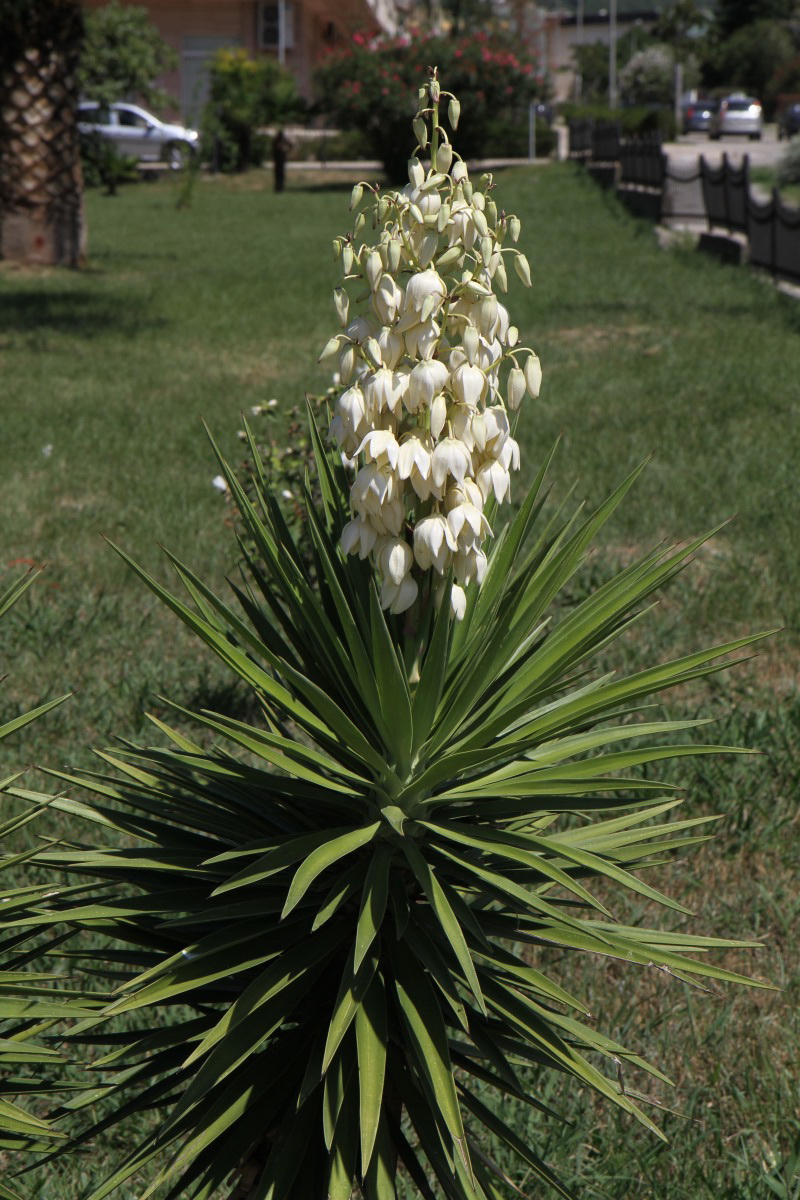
(297, 32)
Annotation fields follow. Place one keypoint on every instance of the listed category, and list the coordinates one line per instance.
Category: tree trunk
(41, 183)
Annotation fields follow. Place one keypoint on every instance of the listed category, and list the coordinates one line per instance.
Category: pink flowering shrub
(371, 86)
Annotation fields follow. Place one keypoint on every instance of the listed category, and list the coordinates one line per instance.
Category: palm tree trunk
(41, 183)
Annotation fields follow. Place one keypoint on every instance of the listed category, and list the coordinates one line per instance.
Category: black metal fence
(649, 185)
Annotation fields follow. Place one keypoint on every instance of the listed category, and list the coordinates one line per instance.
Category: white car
(737, 114)
(137, 133)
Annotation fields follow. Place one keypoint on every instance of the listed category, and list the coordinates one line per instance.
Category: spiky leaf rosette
(28, 1067)
(319, 928)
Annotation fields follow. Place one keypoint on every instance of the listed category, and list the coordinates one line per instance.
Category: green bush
(633, 121)
(245, 95)
(788, 171)
(103, 165)
(370, 86)
(122, 54)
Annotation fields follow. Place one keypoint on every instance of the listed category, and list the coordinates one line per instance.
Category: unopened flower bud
(453, 113)
(487, 248)
(466, 188)
(533, 375)
(491, 212)
(479, 221)
(444, 157)
(435, 91)
(373, 269)
(359, 224)
(372, 352)
(514, 228)
(347, 363)
(337, 249)
(451, 258)
(500, 277)
(331, 347)
(438, 414)
(355, 196)
(512, 337)
(393, 251)
(420, 131)
(347, 258)
(523, 269)
(342, 303)
(415, 213)
(382, 208)
(471, 342)
(443, 218)
(516, 388)
(458, 602)
(416, 172)
(459, 171)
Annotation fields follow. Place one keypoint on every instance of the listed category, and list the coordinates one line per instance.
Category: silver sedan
(737, 114)
(137, 133)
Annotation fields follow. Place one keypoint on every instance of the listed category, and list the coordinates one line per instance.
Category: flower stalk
(428, 366)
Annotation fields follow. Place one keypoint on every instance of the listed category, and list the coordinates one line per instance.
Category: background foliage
(245, 94)
(371, 86)
(122, 55)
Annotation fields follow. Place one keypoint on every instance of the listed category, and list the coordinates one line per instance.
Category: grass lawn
(202, 313)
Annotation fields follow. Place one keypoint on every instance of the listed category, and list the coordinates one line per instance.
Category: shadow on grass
(73, 312)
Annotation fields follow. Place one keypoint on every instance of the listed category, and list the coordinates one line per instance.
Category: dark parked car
(697, 115)
(789, 121)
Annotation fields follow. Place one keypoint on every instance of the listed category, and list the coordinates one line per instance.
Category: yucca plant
(326, 936)
(26, 1001)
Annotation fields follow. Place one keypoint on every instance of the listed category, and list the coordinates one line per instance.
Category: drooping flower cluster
(428, 368)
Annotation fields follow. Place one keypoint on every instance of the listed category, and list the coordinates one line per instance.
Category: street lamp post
(578, 44)
(612, 54)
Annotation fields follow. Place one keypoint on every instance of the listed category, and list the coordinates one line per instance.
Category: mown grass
(205, 312)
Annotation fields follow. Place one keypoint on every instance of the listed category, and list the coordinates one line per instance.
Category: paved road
(764, 153)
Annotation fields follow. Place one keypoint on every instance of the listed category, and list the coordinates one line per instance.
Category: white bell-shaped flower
(434, 544)
(421, 339)
(426, 380)
(387, 300)
(359, 537)
(351, 408)
(399, 597)
(467, 523)
(469, 566)
(384, 389)
(508, 456)
(423, 285)
(395, 559)
(372, 487)
(497, 428)
(468, 384)
(450, 458)
(492, 476)
(380, 446)
(391, 345)
(360, 328)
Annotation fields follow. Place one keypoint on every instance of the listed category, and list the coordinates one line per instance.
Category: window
(131, 119)
(94, 114)
(269, 17)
